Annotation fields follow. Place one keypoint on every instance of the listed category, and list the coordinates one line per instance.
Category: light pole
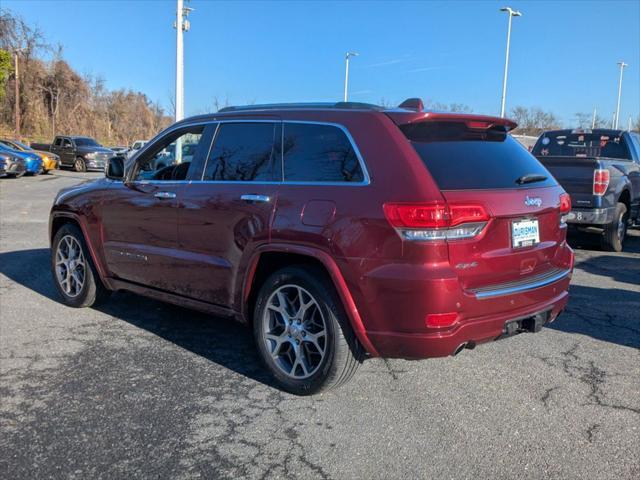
(346, 73)
(512, 13)
(615, 122)
(181, 25)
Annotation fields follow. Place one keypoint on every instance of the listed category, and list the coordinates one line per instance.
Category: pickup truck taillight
(436, 221)
(600, 181)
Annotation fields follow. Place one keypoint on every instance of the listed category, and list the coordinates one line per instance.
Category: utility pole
(622, 65)
(512, 13)
(346, 74)
(181, 25)
(17, 93)
(593, 121)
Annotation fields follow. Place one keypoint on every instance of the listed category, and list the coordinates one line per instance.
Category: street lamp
(181, 25)
(512, 13)
(615, 122)
(346, 73)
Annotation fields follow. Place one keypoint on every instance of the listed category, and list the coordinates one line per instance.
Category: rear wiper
(531, 178)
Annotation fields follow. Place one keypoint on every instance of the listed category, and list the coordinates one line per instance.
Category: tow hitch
(533, 324)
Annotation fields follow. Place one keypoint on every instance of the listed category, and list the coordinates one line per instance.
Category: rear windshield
(564, 144)
(86, 142)
(463, 159)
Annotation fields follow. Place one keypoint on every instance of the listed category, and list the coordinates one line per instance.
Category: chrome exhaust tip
(459, 348)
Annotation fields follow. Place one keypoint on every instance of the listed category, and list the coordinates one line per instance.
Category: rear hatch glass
(459, 158)
(569, 144)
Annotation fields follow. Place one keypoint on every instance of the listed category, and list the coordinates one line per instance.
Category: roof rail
(303, 106)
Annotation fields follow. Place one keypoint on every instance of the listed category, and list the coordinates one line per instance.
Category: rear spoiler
(410, 112)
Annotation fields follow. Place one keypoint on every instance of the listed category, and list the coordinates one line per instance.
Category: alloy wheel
(70, 266)
(294, 331)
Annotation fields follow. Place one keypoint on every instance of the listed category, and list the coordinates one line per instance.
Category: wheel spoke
(314, 338)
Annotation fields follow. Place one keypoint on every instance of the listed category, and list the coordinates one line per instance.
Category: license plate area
(525, 232)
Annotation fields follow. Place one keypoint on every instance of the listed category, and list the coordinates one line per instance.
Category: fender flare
(334, 274)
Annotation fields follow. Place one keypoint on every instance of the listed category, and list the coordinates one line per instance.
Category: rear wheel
(615, 232)
(302, 332)
(74, 274)
(79, 165)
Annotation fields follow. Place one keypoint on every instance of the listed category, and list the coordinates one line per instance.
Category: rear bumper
(470, 332)
(591, 216)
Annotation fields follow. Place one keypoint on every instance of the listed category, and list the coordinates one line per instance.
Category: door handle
(164, 195)
(256, 198)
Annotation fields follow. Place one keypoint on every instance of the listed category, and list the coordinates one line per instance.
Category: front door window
(170, 159)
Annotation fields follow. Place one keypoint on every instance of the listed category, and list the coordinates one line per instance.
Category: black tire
(342, 351)
(92, 291)
(79, 165)
(615, 232)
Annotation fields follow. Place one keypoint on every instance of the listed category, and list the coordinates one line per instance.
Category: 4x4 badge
(532, 201)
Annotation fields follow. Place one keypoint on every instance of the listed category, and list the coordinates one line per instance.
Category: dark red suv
(339, 232)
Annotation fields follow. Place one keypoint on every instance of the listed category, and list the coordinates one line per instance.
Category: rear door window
(244, 152)
(463, 159)
(319, 153)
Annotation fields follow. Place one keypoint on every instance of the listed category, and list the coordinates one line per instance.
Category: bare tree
(533, 121)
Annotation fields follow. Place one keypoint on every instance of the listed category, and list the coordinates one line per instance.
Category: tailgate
(492, 258)
(575, 174)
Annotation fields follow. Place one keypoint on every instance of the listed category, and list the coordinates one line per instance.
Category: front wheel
(79, 165)
(302, 332)
(74, 274)
(615, 232)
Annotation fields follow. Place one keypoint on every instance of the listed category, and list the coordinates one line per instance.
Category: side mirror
(115, 168)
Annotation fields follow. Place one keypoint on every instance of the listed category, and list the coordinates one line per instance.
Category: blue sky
(563, 54)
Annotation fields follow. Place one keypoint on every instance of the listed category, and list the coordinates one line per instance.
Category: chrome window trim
(365, 171)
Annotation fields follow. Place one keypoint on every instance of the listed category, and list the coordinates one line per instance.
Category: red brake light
(467, 214)
(441, 319)
(600, 181)
(478, 125)
(435, 215)
(417, 215)
(565, 203)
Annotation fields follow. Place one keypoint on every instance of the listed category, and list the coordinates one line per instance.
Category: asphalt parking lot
(140, 389)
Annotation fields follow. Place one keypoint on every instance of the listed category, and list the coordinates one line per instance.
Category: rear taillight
(436, 221)
(565, 208)
(600, 181)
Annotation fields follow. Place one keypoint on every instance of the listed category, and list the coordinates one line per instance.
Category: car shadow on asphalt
(602, 313)
(220, 340)
(590, 240)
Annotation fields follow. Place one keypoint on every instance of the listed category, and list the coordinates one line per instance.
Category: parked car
(32, 162)
(11, 165)
(50, 161)
(135, 146)
(81, 153)
(337, 231)
(600, 169)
